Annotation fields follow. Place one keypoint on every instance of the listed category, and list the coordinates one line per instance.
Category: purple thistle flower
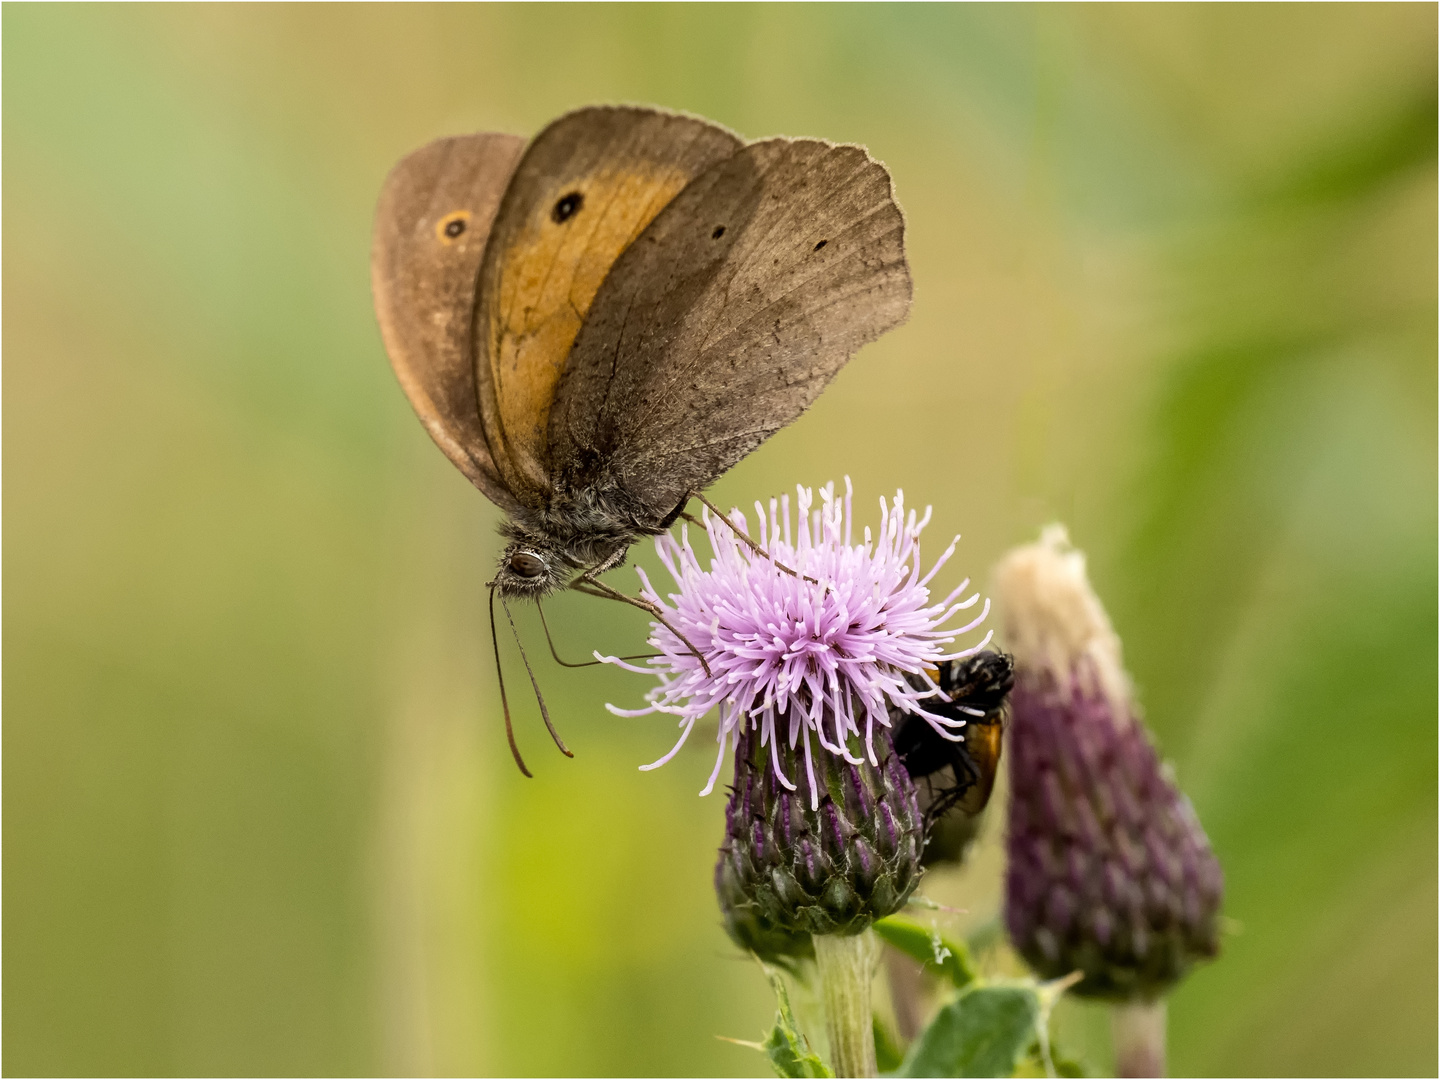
(1109, 869)
(793, 658)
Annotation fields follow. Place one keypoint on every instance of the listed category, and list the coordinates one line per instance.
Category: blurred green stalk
(847, 965)
(1138, 1030)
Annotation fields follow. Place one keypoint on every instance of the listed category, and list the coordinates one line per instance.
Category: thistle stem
(1138, 1031)
(847, 965)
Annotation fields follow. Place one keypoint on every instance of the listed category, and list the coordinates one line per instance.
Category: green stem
(847, 965)
(1138, 1030)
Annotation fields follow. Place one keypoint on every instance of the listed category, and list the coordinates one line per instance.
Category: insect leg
(588, 663)
(644, 605)
(579, 586)
(544, 712)
(745, 538)
(504, 702)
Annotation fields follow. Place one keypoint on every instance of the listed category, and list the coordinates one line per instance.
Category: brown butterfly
(593, 327)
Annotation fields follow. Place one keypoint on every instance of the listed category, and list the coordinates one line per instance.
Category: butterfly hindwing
(431, 225)
(728, 316)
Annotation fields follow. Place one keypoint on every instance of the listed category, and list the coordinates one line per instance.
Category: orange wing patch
(550, 274)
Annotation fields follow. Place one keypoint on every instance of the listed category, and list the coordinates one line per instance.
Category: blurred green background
(1175, 277)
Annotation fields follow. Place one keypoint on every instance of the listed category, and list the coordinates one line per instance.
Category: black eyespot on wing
(567, 207)
(719, 232)
(821, 244)
(454, 227)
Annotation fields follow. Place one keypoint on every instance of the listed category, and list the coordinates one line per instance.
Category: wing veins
(737, 329)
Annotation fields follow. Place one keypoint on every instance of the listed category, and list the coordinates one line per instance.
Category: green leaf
(983, 1032)
(1062, 1063)
(888, 1054)
(986, 936)
(788, 1050)
(930, 947)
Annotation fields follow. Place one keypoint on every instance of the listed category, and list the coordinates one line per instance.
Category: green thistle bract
(786, 871)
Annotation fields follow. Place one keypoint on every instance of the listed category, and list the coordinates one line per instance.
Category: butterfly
(595, 325)
(958, 777)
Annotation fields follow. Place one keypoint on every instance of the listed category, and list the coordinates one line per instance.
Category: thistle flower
(809, 643)
(1109, 870)
(814, 660)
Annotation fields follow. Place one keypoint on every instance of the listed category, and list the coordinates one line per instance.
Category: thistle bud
(1109, 870)
(792, 865)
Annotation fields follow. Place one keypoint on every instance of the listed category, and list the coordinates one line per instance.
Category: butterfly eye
(566, 208)
(526, 565)
(452, 226)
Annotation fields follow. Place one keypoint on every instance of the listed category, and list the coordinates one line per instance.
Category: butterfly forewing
(585, 188)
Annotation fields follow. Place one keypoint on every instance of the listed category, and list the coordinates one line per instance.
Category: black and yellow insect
(954, 779)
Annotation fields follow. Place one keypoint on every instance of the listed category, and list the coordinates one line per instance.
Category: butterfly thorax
(551, 545)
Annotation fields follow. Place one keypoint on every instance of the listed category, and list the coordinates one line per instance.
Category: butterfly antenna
(544, 712)
(745, 537)
(504, 702)
(588, 663)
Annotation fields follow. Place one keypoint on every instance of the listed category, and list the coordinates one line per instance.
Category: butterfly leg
(601, 589)
(744, 537)
(587, 663)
